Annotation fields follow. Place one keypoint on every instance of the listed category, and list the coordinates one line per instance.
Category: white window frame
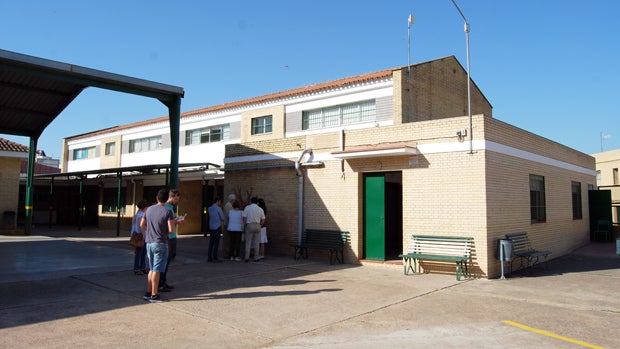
(262, 125)
(337, 115)
(142, 145)
(205, 135)
(84, 153)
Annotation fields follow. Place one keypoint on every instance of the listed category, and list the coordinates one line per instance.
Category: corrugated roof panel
(28, 101)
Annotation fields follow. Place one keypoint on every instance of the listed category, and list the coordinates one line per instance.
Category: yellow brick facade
(450, 180)
(9, 182)
(446, 189)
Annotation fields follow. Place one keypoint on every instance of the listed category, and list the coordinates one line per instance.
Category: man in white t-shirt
(253, 219)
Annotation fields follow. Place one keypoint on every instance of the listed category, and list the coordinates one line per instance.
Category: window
(84, 153)
(144, 144)
(537, 199)
(598, 178)
(109, 148)
(615, 174)
(207, 135)
(339, 115)
(110, 200)
(261, 125)
(576, 192)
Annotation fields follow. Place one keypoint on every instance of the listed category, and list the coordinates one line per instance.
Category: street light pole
(466, 28)
(409, 23)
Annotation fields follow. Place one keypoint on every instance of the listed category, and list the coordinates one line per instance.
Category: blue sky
(550, 67)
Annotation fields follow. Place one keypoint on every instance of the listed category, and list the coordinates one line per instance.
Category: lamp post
(409, 23)
(603, 137)
(466, 28)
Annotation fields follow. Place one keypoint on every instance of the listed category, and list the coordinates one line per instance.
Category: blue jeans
(214, 244)
(139, 261)
(171, 254)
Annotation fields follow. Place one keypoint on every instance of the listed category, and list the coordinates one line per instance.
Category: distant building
(382, 155)
(11, 156)
(43, 165)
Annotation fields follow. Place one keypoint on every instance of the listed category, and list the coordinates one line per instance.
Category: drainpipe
(300, 180)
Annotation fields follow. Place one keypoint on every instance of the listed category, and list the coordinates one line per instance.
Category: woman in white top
(235, 229)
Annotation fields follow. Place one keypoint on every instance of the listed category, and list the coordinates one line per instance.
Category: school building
(382, 155)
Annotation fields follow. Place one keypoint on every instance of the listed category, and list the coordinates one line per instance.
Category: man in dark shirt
(158, 221)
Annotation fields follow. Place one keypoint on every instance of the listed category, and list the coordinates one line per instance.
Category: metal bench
(455, 249)
(322, 239)
(522, 248)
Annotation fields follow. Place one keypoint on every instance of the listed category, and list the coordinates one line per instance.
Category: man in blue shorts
(158, 221)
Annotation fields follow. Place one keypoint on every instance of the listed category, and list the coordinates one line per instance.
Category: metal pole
(502, 257)
(471, 131)
(32, 151)
(118, 203)
(471, 127)
(409, 22)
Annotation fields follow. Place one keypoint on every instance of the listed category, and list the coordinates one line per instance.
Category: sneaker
(156, 299)
(164, 288)
(238, 259)
(146, 296)
(232, 258)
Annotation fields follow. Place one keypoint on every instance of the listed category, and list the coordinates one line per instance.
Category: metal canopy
(34, 91)
(133, 170)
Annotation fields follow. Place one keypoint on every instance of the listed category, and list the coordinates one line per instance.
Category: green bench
(332, 241)
(522, 248)
(455, 249)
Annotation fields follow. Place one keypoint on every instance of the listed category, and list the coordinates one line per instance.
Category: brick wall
(483, 195)
(114, 160)
(9, 184)
(436, 89)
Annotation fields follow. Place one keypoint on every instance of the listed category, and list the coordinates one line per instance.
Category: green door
(374, 216)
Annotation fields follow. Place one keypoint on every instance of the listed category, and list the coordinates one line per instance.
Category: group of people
(245, 226)
(159, 224)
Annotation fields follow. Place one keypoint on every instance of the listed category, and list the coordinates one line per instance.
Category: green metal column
(118, 203)
(82, 205)
(32, 151)
(51, 213)
(174, 110)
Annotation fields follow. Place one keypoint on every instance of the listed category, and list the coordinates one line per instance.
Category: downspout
(300, 187)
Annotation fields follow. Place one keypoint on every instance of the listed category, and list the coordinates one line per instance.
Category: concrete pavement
(70, 289)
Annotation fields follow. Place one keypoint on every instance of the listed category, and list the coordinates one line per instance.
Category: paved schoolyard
(77, 289)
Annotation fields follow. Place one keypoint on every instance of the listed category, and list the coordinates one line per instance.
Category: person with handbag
(137, 239)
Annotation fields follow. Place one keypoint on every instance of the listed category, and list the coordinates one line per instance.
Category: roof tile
(6, 145)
